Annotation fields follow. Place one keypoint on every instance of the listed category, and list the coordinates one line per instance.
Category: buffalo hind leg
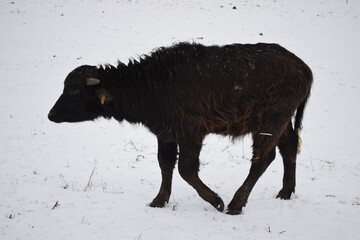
(241, 196)
(189, 167)
(263, 155)
(288, 146)
(167, 154)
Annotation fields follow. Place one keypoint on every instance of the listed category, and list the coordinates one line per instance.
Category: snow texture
(94, 180)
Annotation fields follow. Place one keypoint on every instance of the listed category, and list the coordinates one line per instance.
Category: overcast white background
(103, 174)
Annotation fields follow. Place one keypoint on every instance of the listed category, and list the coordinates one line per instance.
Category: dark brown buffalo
(184, 92)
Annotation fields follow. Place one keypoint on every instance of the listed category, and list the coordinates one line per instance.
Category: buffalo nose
(51, 114)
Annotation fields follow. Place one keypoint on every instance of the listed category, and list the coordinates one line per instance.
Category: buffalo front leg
(167, 152)
(189, 167)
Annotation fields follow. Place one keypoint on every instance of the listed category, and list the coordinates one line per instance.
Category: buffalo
(183, 92)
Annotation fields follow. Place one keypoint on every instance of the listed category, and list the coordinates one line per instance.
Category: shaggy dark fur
(184, 92)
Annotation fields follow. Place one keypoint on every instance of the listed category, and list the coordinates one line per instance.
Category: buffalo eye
(73, 91)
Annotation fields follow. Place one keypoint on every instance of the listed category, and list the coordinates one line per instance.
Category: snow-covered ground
(94, 180)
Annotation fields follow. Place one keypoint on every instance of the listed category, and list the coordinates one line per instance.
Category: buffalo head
(83, 97)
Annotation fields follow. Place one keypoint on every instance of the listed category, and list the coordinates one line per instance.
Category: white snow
(94, 180)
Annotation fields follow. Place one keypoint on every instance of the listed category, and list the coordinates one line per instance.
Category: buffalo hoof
(219, 204)
(157, 204)
(233, 212)
(284, 194)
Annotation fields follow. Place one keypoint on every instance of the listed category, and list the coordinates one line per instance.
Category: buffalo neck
(131, 86)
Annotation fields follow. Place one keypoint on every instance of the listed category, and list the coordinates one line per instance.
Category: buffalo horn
(92, 81)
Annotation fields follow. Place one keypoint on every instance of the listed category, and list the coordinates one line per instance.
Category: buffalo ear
(92, 81)
(104, 96)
